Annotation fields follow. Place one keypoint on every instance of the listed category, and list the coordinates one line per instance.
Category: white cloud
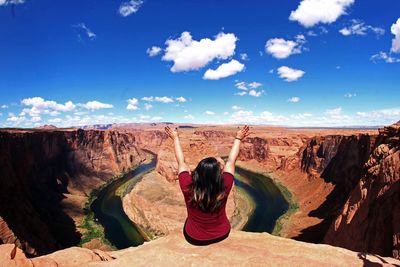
(226, 113)
(244, 57)
(41, 106)
(55, 120)
(224, 70)
(334, 112)
(4, 106)
(301, 116)
(211, 113)
(294, 99)
(236, 107)
(15, 2)
(147, 106)
(95, 105)
(132, 104)
(181, 99)
(241, 85)
(130, 7)
(89, 33)
(241, 93)
(388, 58)
(289, 74)
(281, 48)
(188, 54)
(162, 99)
(255, 93)
(350, 95)
(312, 12)
(395, 29)
(247, 116)
(189, 117)
(254, 85)
(153, 51)
(358, 27)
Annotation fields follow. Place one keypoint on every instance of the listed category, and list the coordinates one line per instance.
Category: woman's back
(202, 225)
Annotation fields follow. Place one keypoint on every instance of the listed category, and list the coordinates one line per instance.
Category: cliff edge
(239, 249)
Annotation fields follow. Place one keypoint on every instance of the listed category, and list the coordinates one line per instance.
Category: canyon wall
(369, 220)
(46, 177)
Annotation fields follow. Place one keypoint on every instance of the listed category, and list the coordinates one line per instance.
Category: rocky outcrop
(254, 148)
(239, 249)
(370, 218)
(45, 178)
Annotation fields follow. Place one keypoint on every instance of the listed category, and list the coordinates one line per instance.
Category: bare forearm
(234, 151)
(178, 152)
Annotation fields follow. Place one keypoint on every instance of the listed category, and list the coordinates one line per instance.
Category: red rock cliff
(370, 218)
(44, 174)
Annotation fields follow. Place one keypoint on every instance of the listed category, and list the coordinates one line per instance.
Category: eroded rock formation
(45, 178)
(370, 218)
(239, 249)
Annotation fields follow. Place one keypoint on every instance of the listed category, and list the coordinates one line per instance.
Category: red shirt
(202, 225)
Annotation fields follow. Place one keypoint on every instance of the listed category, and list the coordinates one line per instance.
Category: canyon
(345, 182)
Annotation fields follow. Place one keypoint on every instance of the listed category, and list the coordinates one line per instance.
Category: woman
(206, 191)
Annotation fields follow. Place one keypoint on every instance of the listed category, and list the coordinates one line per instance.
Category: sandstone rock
(239, 249)
(370, 218)
(46, 176)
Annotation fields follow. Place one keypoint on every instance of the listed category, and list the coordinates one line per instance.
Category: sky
(293, 63)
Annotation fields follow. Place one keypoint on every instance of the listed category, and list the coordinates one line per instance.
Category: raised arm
(240, 135)
(173, 134)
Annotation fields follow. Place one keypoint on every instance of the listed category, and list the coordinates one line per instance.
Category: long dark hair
(207, 188)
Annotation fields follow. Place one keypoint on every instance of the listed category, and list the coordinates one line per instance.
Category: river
(122, 233)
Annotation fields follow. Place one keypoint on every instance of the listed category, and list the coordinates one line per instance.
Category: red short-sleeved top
(205, 225)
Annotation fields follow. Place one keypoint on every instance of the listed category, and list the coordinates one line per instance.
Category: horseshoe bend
(67, 194)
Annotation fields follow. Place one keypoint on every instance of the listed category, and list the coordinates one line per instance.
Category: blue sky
(296, 63)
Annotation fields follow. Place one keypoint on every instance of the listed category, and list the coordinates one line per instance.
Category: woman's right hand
(172, 133)
(243, 133)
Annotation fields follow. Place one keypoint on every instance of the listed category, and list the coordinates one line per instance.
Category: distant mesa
(47, 126)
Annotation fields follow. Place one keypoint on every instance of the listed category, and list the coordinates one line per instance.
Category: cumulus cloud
(281, 48)
(41, 106)
(132, 104)
(14, 2)
(254, 85)
(334, 112)
(294, 99)
(312, 12)
(395, 29)
(289, 74)
(255, 93)
(210, 113)
(359, 27)
(95, 105)
(147, 106)
(241, 85)
(181, 99)
(153, 51)
(130, 7)
(83, 29)
(162, 99)
(235, 107)
(188, 54)
(4, 106)
(244, 56)
(388, 58)
(241, 93)
(224, 70)
(265, 117)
